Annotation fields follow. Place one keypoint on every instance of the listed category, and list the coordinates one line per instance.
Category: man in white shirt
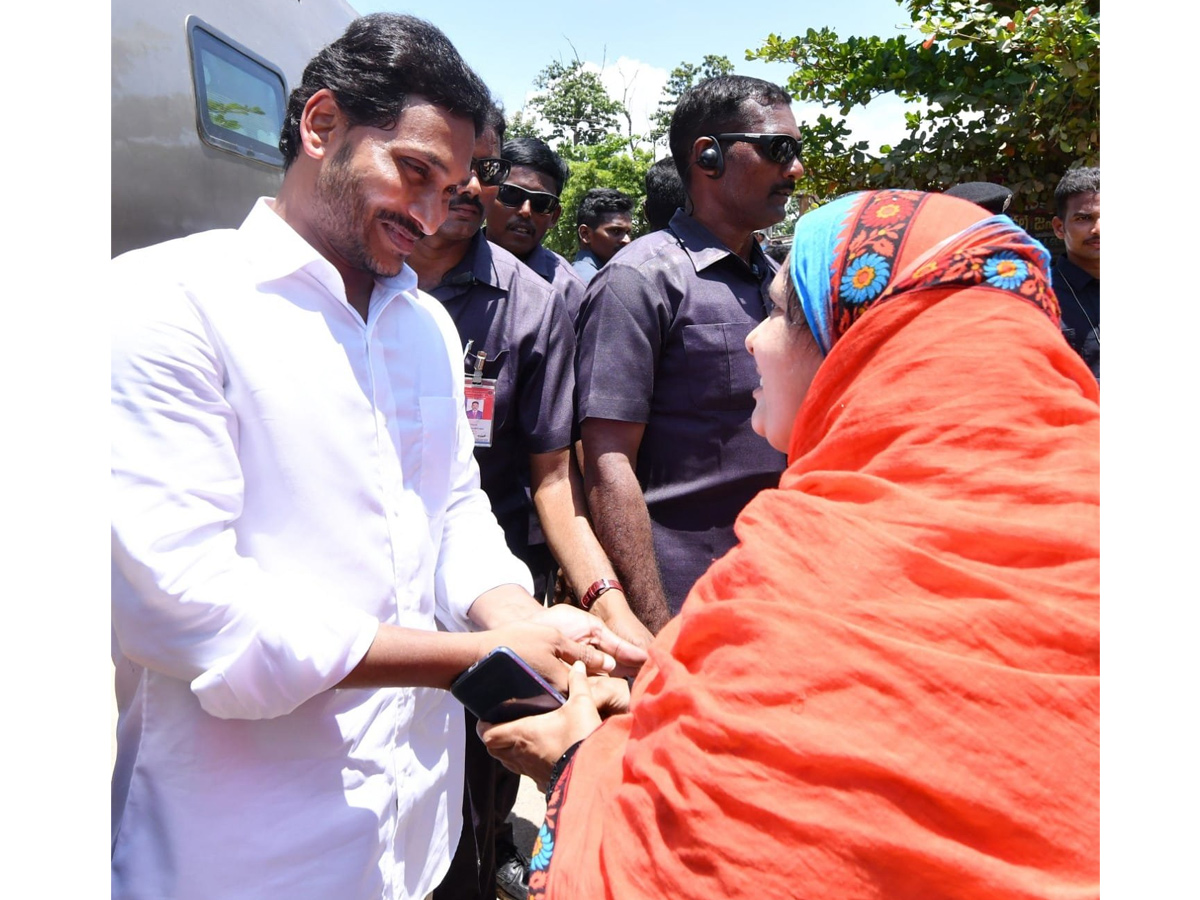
(303, 559)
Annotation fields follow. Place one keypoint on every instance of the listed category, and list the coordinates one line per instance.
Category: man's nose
(430, 211)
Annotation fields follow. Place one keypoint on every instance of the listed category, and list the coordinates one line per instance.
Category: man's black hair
(716, 105)
(375, 66)
(664, 193)
(1076, 181)
(493, 119)
(537, 155)
(600, 203)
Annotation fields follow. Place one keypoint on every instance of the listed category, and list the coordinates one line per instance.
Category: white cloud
(639, 85)
(879, 122)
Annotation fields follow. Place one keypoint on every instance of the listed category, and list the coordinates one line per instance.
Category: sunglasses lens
(515, 197)
(782, 149)
(511, 195)
(491, 171)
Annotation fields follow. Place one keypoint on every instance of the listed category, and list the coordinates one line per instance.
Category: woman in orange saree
(890, 686)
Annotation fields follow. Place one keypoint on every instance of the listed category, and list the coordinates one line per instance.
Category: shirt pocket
(439, 429)
(721, 372)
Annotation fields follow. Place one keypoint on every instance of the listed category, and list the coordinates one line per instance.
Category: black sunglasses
(780, 148)
(491, 170)
(514, 196)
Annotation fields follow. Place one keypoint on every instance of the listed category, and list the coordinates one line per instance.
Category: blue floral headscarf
(859, 250)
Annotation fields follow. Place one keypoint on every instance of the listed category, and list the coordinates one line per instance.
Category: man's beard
(343, 218)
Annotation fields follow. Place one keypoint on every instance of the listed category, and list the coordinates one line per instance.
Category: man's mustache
(461, 200)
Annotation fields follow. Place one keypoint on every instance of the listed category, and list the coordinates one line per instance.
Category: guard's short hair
(1076, 181)
(375, 66)
(600, 203)
(537, 155)
(493, 119)
(716, 105)
(664, 193)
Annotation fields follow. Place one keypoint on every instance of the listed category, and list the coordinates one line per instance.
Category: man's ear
(1057, 224)
(585, 236)
(322, 124)
(555, 216)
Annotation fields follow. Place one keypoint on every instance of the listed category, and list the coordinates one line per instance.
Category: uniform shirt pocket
(721, 373)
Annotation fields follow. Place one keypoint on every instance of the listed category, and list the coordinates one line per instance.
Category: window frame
(216, 135)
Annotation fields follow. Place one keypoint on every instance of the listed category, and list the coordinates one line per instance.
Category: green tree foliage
(682, 77)
(575, 104)
(520, 124)
(1002, 93)
(225, 114)
(607, 163)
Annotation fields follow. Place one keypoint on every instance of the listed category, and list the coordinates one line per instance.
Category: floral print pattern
(865, 278)
(1005, 270)
(998, 255)
(543, 847)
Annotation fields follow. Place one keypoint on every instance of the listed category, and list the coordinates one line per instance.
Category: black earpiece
(711, 159)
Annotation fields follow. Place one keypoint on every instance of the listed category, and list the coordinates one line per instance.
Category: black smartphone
(502, 687)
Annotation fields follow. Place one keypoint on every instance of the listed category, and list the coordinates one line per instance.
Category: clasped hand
(532, 745)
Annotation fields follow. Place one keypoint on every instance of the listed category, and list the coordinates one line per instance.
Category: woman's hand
(546, 649)
(613, 610)
(532, 745)
(586, 628)
(611, 695)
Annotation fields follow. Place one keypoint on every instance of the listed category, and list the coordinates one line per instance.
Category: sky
(636, 44)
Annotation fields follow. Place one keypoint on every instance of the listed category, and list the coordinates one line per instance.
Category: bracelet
(592, 594)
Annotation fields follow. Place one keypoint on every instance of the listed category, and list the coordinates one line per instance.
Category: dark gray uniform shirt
(662, 341)
(1079, 301)
(521, 322)
(558, 272)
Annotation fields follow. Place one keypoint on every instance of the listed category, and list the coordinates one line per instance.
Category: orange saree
(890, 687)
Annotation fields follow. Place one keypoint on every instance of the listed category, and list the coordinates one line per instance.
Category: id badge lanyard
(480, 399)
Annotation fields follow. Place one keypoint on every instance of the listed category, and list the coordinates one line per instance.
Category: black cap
(992, 197)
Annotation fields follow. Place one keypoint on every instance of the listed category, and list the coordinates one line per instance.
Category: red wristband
(593, 593)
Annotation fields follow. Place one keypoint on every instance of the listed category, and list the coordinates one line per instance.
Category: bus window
(240, 97)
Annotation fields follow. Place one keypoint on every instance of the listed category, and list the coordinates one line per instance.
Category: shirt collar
(705, 249)
(541, 261)
(585, 253)
(1078, 277)
(280, 251)
(476, 267)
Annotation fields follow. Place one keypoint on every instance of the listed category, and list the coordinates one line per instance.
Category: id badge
(481, 408)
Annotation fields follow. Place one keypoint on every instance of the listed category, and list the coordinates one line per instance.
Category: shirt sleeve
(622, 326)
(546, 378)
(252, 644)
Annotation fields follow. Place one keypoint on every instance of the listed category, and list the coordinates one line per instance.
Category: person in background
(664, 193)
(890, 687)
(664, 385)
(517, 320)
(302, 557)
(527, 206)
(605, 225)
(1077, 270)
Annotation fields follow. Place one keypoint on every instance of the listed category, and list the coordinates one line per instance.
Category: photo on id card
(480, 404)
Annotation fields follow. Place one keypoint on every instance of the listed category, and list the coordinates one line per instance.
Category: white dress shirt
(287, 476)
